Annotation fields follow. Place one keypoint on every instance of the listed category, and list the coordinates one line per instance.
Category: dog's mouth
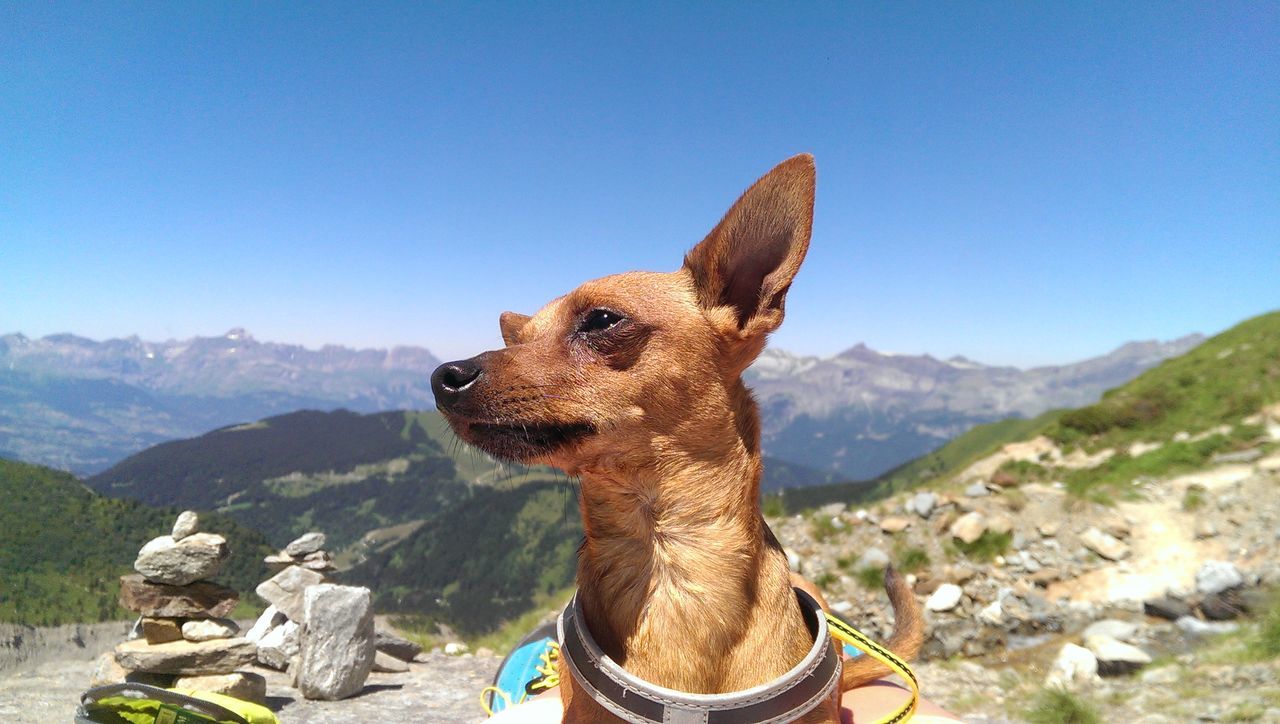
(523, 442)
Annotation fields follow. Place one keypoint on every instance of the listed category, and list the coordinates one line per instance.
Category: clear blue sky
(1020, 183)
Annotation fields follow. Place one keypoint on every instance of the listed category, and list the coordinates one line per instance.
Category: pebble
(945, 598)
(188, 522)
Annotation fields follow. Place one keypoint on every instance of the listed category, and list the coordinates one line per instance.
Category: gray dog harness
(814, 680)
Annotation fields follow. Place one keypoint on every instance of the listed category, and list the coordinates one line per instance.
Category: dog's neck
(679, 571)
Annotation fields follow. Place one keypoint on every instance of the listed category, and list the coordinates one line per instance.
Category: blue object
(519, 668)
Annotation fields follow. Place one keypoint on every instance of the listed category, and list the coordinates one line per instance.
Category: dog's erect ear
(748, 261)
(511, 323)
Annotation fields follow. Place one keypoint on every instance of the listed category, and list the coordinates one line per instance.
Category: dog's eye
(598, 320)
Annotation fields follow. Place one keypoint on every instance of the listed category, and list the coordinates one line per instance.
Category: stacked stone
(322, 633)
(184, 639)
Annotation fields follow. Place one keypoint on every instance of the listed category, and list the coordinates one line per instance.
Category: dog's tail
(908, 634)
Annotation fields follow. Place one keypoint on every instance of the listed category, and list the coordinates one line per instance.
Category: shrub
(913, 559)
(871, 577)
(1194, 498)
(987, 547)
(1056, 706)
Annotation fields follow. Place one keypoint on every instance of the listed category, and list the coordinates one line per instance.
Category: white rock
(1000, 524)
(455, 648)
(1218, 576)
(992, 614)
(337, 641)
(969, 527)
(977, 490)
(1163, 676)
(196, 557)
(287, 588)
(186, 524)
(1104, 544)
(208, 629)
(307, 543)
(922, 504)
(1205, 528)
(1116, 657)
(1075, 666)
(269, 619)
(945, 598)
(1193, 626)
(842, 606)
(1116, 629)
(279, 645)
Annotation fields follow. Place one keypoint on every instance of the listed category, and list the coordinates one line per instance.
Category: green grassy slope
(1223, 380)
(339, 472)
(942, 463)
(63, 547)
(489, 559)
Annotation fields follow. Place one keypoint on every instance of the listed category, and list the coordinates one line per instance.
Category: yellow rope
(550, 677)
(842, 631)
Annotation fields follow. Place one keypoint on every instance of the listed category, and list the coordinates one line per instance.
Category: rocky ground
(440, 688)
(1140, 608)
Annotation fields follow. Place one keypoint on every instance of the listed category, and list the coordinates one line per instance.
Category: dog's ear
(748, 261)
(511, 323)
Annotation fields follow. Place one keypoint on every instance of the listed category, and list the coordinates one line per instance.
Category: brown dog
(633, 383)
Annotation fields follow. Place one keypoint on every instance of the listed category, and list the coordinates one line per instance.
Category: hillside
(864, 412)
(82, 405)
(340, 472)
(63, 547)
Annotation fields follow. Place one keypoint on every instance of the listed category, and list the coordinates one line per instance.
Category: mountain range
(862, 412)
(82, 405)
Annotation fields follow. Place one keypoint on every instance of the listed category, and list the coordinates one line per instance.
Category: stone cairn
(322, 633)
(182, 639)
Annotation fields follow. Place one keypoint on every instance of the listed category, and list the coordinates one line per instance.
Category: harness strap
(815, 679)
(850, 635)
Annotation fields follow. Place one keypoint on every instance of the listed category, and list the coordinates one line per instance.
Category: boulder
(1225, 606)
(196, 600)
(285, 590)
(1218, 576)
(1075, 666)
(269, 619)
(196, 557)
(894, 524)
(161, 630)
(1118, 630)
(1193, 626)
(1170, 609)
(1000, 524)
(241, 685)
(208, 629)
(186, 657)
(337, 641)
(1104, 544)
(1116, 657)
(187, 524)
(279, 645)
(388, 664)
(977, 490)
(401, 648)
(945, 598)
(922, 504)
(969, 527)
(307, 543)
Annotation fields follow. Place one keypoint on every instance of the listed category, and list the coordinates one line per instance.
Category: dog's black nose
(451, 379)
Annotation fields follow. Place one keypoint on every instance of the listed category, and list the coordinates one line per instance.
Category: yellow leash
(845, 633)
(840, 631)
